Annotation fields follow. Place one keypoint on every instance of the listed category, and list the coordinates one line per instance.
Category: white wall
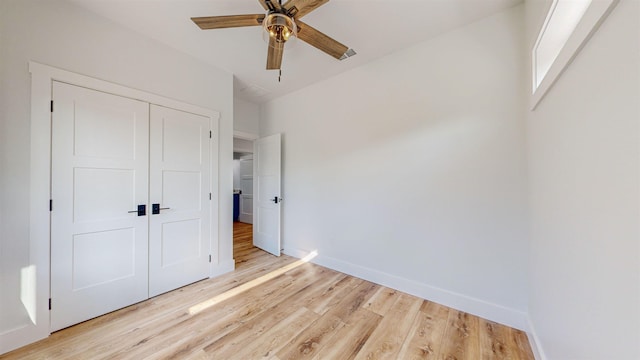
(247, 115)
(242, 145)
(59, 34)
(410, 170)
(584, 166)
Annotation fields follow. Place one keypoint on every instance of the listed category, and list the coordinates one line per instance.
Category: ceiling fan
(280, 23)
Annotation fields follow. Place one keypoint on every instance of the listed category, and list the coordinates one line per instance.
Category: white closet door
(179, 186)
(99, 259)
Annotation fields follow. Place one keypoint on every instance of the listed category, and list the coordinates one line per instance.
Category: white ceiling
(373, 28)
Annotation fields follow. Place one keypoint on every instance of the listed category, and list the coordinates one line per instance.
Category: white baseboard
(534, 341)
(222, 268)
(490, 311)
(17, 338)
(247, 219)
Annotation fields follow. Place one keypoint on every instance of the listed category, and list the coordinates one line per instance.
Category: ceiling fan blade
(300, 8)
(220, 22)
(270, 5)
(274, 57)
(322, 42)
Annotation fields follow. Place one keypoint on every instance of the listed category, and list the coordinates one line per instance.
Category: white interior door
(266, 191)
(99, 258)
(179, 187)
(246, 193)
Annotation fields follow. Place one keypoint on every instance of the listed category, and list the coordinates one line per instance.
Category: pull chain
(280, 70)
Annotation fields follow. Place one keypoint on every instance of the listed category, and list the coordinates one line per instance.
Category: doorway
(263, 166)
(242, 194)
(243, 180)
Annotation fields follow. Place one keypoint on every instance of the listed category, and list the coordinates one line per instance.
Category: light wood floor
(307, 312)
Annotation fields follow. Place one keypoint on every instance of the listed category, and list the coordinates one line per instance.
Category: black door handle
(155, 209)
(142, 210)
(276, 199)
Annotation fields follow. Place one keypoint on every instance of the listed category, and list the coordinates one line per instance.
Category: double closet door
(130, 202)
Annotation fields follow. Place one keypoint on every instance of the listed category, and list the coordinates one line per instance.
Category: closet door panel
(99, 250)
(179, 186)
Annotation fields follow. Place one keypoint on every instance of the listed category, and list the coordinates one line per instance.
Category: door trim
(42, 77)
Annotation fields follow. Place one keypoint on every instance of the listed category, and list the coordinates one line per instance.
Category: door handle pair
(142, 209)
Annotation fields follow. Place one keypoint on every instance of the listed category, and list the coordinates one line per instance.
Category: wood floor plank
(522, 347)
(460, 340)
(382, 301)
(334, 294)
(281, 308)
(387, 339)
(272, 340)
(353, 300)
(425, 337)
(350, 339)
(493, 341)
(312, 339)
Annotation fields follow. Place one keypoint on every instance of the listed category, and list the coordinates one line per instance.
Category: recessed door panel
(182, 189)
(97, 126)
(101, 194)
(182, 141)
(179, 178)
(181, 241)
(99, 251)
(117, 261)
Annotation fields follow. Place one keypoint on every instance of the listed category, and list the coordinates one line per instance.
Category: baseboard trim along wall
(534, 341)
(493, 312)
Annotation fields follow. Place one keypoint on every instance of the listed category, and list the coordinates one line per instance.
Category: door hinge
(210, 134)
(51, 105)
(209, 196)
(209, 258)
(49, 303)
(50, 204)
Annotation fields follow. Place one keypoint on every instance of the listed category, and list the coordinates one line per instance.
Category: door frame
(37, 275)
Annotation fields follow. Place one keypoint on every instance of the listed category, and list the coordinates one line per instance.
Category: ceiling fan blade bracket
(272, 6)
(292, 12)
(300, 8)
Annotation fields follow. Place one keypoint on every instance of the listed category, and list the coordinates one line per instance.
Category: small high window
(567, 27)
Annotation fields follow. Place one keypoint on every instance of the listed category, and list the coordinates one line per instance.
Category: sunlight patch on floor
(251, 284)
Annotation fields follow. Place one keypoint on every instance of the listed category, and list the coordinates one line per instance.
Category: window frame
(595, 14)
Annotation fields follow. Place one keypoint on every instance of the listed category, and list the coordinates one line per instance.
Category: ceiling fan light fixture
(280, 28)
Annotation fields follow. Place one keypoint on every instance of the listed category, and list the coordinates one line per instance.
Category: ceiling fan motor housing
(279, 27)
